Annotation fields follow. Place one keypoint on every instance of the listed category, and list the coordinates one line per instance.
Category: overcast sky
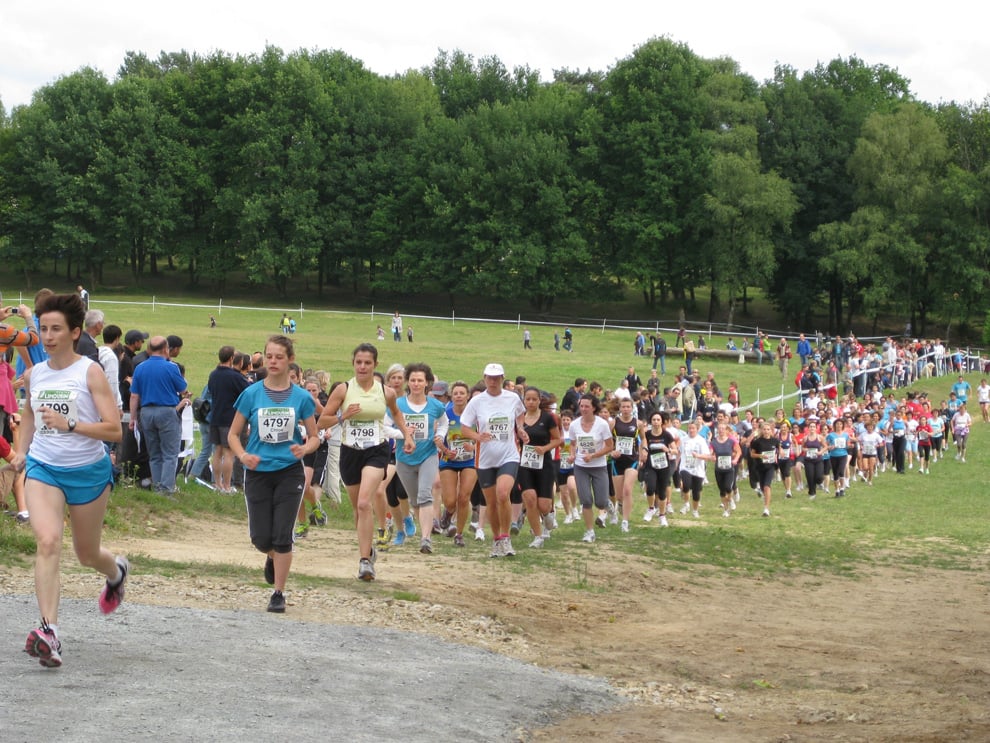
(940, 47)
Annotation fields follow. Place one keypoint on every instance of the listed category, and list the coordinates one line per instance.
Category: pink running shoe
(44, 645)
(112, 595)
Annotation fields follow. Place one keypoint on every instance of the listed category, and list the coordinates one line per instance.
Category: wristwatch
(72, 425)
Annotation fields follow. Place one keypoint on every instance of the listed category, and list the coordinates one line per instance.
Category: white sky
(939, 47)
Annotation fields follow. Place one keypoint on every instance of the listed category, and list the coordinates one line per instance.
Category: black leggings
(814, 473)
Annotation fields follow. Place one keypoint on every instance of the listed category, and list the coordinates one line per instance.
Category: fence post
(153, 298)
(220, 306)
(452, 317)
(518, 321)
(603, 326)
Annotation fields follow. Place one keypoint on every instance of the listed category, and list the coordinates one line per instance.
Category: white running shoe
(568, 519)
(725, 514)
(663, 521)
(536, 543)
(625, 527)
(576, 513)
(685, 508)
(648, 516)
(479, 534)
(696, 514)
(766, 511)
(732, 504)
(589, 536)
(670, 508)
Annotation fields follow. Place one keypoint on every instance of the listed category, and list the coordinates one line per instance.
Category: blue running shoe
(409, 525)
(400, 538)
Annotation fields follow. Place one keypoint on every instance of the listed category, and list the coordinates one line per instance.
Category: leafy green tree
(654, 167)
(812, 125)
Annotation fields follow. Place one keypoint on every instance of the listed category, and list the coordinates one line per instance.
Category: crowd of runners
(423, 459)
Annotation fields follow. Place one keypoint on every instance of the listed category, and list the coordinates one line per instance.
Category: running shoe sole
(40, 645)
(112, 596)
(269, 571)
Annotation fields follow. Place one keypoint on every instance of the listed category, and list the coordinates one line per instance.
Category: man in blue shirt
(962, 389)
(157, 393)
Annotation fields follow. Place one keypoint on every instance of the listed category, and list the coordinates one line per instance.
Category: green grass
(910, 520)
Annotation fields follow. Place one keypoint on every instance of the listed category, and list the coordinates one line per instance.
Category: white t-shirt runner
(496, 416)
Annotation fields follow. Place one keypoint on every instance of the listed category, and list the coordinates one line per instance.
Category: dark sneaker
(43, 644)
(276, 604)
(269, 571)
(458, 540)
(426, 546)
(112, 595)
(445, 523)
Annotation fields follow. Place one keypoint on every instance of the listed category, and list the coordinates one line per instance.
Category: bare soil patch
(894, 655)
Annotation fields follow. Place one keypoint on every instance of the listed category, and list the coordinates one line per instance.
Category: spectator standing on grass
(156, 397)
(110, 359)
(84, 296)
(62, 453)
(93, 326)
(225, 385)
(397, 327)
(659, 353)
(274, 410)
(803, 349)
(28, 356)
(783, 354)
(527, 338)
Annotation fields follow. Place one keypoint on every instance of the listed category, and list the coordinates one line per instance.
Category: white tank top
(65, 391)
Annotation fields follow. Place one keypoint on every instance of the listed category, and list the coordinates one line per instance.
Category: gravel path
(188, 675)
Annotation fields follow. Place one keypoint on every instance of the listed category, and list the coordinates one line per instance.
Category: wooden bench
(722, 353)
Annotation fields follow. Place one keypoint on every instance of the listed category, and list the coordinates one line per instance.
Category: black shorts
(785, 465)
(489, 476)
(352, 461)
(621, 464)
(766, 474)
(318, 461)
(218, 435)
(540, 480)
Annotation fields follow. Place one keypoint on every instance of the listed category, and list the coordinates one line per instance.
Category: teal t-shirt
(274, 424)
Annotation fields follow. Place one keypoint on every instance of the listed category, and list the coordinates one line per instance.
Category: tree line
(834, 190)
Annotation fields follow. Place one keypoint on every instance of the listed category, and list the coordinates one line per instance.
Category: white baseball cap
(494, 370)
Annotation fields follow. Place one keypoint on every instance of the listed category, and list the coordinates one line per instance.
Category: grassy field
(939, 520)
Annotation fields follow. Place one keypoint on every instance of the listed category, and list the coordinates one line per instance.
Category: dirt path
(895, 655)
